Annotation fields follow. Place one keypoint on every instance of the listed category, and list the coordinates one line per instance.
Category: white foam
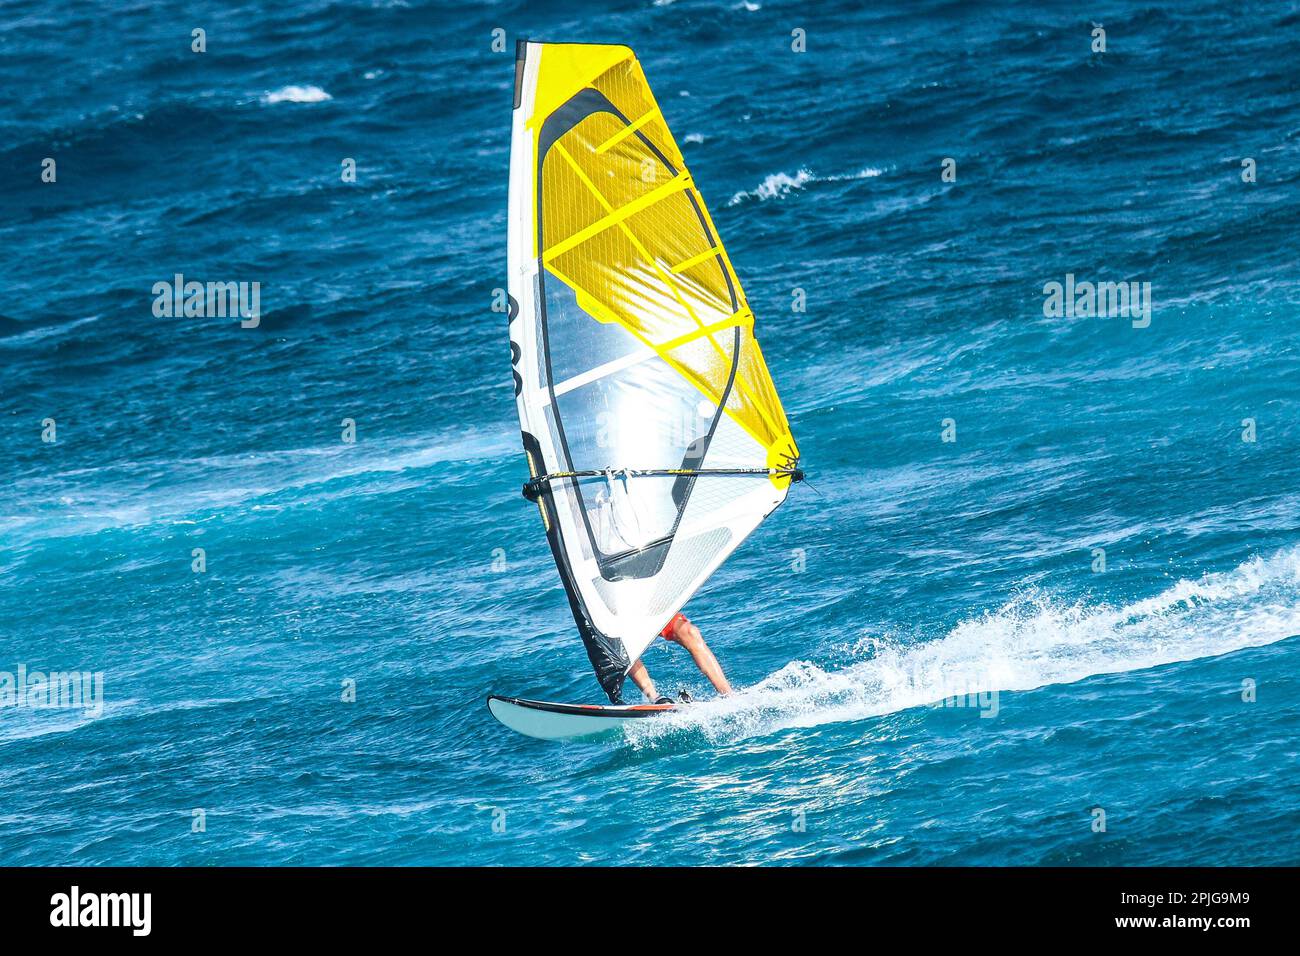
(1031, 642)
(779, 185)
(297, 94)
(774, 186)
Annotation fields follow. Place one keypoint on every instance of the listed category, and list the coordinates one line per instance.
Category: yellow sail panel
(623, 226)
(566, 68)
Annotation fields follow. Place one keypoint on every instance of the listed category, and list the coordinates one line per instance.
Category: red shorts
(671, 626)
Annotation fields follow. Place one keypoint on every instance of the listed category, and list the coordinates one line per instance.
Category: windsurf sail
(655, 439)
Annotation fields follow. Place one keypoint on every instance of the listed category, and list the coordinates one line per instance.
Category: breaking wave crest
(779, 185)
(296, 94)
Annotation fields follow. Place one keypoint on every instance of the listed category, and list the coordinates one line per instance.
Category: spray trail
(1030, 642)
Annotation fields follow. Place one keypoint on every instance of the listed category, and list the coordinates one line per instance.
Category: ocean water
(934, 668)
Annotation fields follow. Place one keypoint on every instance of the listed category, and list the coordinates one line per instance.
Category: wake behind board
(549, 721)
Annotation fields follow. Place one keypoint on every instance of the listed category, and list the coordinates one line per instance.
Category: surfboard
(551, 721)
(654, 436)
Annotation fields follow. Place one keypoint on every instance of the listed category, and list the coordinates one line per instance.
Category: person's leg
(688, 635)
(641, 678)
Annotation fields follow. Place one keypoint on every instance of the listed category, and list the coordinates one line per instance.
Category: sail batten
(655, 439)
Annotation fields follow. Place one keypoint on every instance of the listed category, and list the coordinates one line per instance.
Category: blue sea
(1040, 604)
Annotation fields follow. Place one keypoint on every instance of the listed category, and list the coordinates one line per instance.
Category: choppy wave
(779, 185)
(1033, 641)
(121, 497)
(297, 94)
(43, 331)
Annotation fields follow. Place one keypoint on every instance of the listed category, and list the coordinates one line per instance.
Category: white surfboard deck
(550, 721)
